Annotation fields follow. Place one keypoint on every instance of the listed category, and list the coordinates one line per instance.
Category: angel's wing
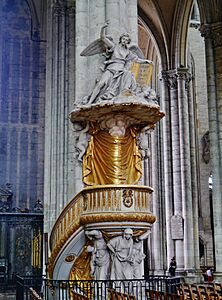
(136, 50)
(96, 47)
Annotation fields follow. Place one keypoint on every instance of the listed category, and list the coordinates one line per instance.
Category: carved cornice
(213, 32)
(120, 217)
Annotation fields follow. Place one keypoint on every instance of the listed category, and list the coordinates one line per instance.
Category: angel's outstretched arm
(103, 36)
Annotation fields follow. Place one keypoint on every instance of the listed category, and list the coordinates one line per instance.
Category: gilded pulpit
(102, 229)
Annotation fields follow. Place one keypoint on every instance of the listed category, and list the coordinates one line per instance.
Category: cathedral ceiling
(168, 21)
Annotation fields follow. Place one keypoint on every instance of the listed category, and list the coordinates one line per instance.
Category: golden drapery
(81, 267)
(81, 271)
(112, 160)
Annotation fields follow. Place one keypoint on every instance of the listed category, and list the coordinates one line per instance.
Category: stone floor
(7, 296)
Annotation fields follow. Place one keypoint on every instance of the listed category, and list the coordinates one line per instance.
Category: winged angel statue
(116, 75)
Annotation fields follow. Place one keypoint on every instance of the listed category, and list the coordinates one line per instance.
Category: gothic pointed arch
(151, 17)
(179, 33)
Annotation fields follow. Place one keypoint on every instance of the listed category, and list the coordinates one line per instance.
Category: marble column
(179, 205)
(213, 46)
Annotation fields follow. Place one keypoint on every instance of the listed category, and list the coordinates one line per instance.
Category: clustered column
(213, 46)
(179, 206)
(59, 100)
(167, 153)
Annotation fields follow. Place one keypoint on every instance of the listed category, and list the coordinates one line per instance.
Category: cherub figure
(116, 75)
(81, 138)
(147, 93)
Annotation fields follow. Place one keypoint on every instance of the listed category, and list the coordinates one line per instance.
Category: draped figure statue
(121, 248)
(100, 255)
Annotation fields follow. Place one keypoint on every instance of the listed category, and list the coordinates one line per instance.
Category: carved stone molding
(195, 24)
(170, 77)
(213, 32)
(188, 80)
(205, 141)
(119, 217)
(71, 10)
(185, 75)
(6, 198)
(182, 73)
(58, 8)
(205, 31)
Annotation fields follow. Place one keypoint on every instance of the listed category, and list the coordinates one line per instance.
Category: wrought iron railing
(49, 289)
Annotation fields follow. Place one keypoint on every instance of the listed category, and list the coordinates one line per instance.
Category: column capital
(58, 8)
(214, 32)
(185, 75)
(71, 10)
(182, 73)
(71, 7)
(170, 77)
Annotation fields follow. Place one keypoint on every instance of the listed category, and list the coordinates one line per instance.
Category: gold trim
(120, 217)
(118, 186)
(58, 247)
(97, 218)
(75, 214)
(79, 203)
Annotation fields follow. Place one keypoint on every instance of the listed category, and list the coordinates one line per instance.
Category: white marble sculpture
(81, 138)
(116, 76)
(146, 93)
(121, 248)
(115, 124)
(100, 260)
(138, 256)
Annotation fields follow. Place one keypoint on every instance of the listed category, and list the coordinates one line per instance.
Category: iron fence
(49, 289)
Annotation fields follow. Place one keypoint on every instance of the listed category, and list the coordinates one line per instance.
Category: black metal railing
(49, 289)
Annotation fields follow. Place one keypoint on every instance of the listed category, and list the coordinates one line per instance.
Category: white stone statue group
(116, 76)
(118, 259)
